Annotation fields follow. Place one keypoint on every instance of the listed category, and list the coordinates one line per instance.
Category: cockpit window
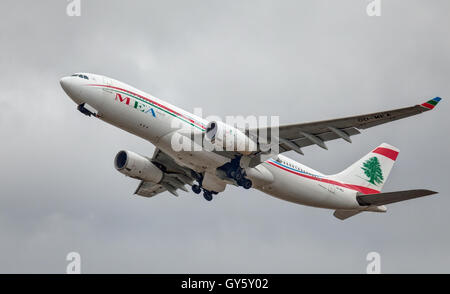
(81, 76)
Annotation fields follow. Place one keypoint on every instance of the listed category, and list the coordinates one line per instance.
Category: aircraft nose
(64, 82)
(71, 88)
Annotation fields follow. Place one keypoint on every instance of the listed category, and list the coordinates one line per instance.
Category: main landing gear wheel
(207, 195)
(238, 176)
(246, 183)
(196, 189)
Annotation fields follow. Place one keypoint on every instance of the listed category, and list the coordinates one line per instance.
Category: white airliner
(354, 190)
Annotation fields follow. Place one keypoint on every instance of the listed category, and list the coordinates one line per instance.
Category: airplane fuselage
(157, 121)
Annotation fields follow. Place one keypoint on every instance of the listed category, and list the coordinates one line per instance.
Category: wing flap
(148, 189)
(326, 135)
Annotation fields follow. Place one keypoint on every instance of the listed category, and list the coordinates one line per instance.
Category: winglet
(430, 104)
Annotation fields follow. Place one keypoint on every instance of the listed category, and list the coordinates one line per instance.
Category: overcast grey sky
(301, 60)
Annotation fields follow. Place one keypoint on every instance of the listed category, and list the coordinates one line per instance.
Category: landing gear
(196, 189)
(234, 171)
(246, 183)
(238, 175)
(207, 195)
(84, 110)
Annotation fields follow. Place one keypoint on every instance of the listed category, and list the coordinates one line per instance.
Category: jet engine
(138, 167)
(229, 138)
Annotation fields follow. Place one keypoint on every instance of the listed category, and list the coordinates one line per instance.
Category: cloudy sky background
(301, 60)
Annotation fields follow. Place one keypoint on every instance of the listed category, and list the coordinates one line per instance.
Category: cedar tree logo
(372, 170)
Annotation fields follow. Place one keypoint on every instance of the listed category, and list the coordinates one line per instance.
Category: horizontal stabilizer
(391, 197)
(344, 214)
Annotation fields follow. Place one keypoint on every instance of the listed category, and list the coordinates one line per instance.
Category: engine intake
(138, 167)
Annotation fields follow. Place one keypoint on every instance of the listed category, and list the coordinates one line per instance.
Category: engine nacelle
(138, 167)
(229, 138)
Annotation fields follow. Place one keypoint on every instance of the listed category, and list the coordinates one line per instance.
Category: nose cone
(64, 82)
(71, 88)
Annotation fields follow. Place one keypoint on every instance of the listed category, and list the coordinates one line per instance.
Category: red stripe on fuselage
(361, 189)
(154, 102)
(389, 153)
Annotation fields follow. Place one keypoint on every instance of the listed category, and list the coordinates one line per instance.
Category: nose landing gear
(86, 109)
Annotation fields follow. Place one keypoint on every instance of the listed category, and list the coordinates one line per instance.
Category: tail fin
(372, 170)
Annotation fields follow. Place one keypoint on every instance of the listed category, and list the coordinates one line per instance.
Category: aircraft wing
(295, 136)
(175, 177)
